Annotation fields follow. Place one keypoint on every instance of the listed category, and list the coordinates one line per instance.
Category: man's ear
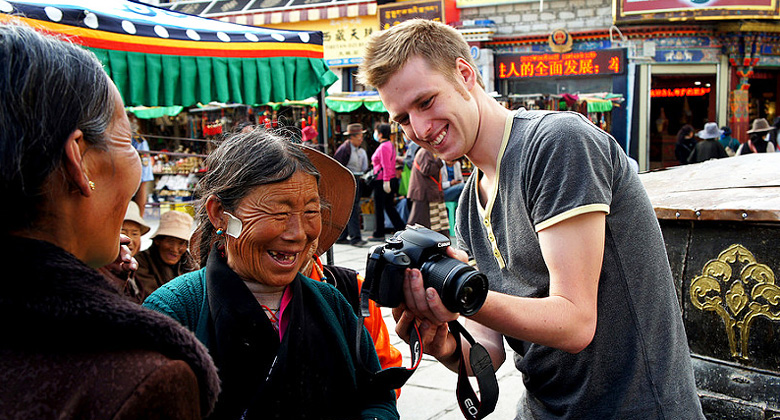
(76, 173)
(216, 210)
(467, 73)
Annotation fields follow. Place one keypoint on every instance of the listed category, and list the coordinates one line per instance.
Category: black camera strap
(482, 368)
(392, 377)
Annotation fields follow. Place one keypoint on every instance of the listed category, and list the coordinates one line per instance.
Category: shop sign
(574, 64)
(394, 13)
(679, 92)
(343, 39)
(678, 55)
(674, 10)
(479, 3)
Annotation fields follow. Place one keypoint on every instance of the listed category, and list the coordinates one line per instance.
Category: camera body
(462, 288)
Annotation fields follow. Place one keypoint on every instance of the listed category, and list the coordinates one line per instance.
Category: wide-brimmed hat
(354, 128)
(760, 125)
(711, 131)
(337, 191)
(134, 215)
(176, 224)
(308, 133)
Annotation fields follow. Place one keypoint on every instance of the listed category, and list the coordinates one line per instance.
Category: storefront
(592, 82)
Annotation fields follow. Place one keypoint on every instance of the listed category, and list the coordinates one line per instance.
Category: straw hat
(354, 128)
(711, 131)
(308, 133)
(176, 224)
(134, 215)
(337, 190)
(760, 125)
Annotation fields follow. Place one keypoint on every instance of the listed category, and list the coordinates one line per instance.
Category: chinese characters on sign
(343, 39)
(584, 63)
(394, 13)
(678, 92)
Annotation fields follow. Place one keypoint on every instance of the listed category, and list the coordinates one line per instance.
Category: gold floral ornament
(739, 300)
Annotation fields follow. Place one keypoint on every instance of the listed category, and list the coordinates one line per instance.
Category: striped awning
(269, 12)
(158, 57)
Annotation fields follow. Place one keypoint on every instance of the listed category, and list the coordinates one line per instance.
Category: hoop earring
(220, 231)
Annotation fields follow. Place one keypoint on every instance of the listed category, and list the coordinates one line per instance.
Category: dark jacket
(343, 153)
(311, 373)
(153, 272)
(706, 150)
(73, 348)
(424, 183)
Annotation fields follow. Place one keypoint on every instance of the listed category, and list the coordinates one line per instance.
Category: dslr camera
(462, 288)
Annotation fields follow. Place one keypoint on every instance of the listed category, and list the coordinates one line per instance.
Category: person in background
(774, 133)
(354, 158)
(428, 208)
(559, 223)
(284, 344)
(709, 147)
(309, 138)
(452, 180)
(730, 144)
(140, 144)
(685, 143)
(385, 184)
(72, 347)
(757, 143)
(168, 256)
(120, 275)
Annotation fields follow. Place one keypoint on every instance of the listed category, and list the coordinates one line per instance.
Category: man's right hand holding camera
(425, 307)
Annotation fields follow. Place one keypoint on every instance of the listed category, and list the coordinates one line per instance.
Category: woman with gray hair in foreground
(285, 344)
(72, 347)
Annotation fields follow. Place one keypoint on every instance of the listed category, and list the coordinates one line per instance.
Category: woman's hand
(386, 186)
(124, 263)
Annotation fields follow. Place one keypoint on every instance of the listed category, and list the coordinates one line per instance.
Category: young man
(560, 224)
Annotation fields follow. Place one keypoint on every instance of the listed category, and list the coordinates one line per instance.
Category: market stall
(158, 57)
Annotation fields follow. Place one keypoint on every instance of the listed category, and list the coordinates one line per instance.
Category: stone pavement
(430, 392)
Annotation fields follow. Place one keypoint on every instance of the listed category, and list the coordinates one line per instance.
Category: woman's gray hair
(242, 162)
(49, 87)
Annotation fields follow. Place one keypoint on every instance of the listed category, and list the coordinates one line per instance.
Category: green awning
(159, 57)
(599, 106)
(353, 101)
(146, 113)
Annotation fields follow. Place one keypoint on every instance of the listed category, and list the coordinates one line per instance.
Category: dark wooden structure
(721, 224)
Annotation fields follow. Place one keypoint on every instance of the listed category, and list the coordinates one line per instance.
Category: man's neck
(484, 153)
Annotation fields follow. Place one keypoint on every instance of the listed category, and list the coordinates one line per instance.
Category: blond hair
(388, 51)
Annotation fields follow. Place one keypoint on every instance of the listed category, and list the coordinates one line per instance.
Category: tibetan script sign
(394, 13)
(573, 64)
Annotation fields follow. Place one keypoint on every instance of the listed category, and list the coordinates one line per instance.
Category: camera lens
(462, 288)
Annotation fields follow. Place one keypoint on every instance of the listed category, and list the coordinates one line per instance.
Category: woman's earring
(91, 185)
(220, 231)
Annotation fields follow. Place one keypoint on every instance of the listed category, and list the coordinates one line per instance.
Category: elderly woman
(72, 347)
(284, 344)
(168, 257)
(120, 274)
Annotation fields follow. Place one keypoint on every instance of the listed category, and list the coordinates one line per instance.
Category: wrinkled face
(432, 111)
(171, 249)
(281, 224)
(116, 174)
(356, 139)
(133, 231)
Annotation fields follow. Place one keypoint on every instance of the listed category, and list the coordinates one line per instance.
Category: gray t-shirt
(553, 166)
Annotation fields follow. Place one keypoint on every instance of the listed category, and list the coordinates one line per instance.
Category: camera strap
(392, 377)
(482, 368)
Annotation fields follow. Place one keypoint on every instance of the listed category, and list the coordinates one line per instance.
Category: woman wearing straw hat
(709, 147)
(122, 276)
(284, 344)
(757, 143)
(168, 257)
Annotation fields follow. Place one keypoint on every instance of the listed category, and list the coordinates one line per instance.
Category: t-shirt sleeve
(570, 170)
